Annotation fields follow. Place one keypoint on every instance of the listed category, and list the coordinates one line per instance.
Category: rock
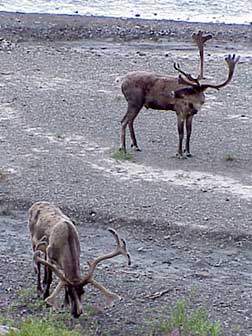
(5, 330)
(6, 44)
(141, 53)
(202, 274)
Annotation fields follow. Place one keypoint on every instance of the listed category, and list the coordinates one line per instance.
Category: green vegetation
(121, 155)
(185, 323)
(39, 319)
(119, 98)
(3, 174)
(184, 320)
(26, 297)
(229, 157)
(36, 327)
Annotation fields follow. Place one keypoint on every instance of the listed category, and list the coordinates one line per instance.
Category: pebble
(140, 53)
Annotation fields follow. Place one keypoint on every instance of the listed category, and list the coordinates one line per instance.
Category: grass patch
(7, 321)
(3, 174)
(119, 98)
(36, 327)
(229, 157)
(26, 297)
(40, 320)
(121, 155)
(28, 301)
(60, 136)
(30, 315)
(50, 323)
(188, 323)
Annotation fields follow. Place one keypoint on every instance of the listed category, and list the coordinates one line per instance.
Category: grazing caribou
(56, 245)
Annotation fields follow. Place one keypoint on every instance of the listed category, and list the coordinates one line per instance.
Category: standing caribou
(56, 245)
(182, 94)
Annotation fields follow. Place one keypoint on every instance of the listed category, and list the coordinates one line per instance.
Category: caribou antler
(42, 242)
(121, 248)
(187, 79)
(200, 40)
(110, 296)
(37, 258)
(231, 61)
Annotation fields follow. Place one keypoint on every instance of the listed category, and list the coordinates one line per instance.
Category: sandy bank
(25, 27)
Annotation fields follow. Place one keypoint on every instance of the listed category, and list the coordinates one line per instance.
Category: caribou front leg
(188, 135)
(180, 126)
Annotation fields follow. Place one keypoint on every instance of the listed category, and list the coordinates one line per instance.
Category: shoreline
(22, 27)
(133, 18)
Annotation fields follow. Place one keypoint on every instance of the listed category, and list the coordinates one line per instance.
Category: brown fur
(54, 234)
(46, 221)
(182, 94)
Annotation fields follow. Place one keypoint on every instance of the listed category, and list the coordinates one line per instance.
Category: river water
(239, 11)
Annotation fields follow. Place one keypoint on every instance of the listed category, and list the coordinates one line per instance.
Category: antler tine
(115, 234)
(38, 259)
(120, 249)
(189, 80)
(126, 251)
(42, 242)
(200, 40)
(184, 81)
(177, 67)
(121, 245)
(231, 61)
(110, 296)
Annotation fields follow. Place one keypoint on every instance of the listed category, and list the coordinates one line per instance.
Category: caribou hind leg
(128, 120)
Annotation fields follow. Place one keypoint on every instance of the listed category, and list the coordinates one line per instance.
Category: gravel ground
(187, 222)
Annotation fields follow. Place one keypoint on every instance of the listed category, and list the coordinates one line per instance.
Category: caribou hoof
(39, 293)
(51, 303)
(180, 156)
(136, 148)
(187, 154)
(121, 149)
